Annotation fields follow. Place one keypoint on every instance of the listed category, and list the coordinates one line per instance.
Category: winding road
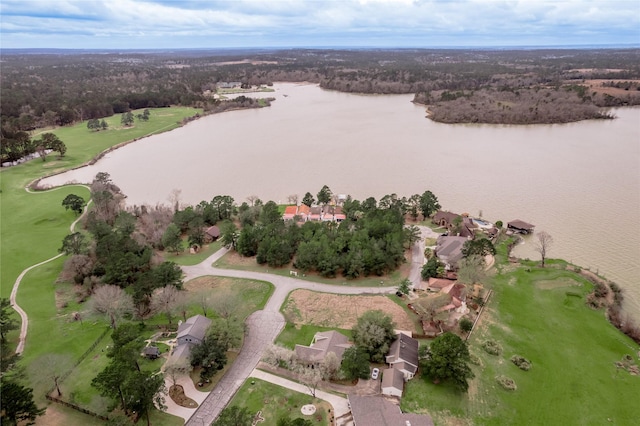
(265, 325)
(262, 326)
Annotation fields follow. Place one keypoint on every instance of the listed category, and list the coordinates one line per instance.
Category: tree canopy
(448, 359)
(374, 333)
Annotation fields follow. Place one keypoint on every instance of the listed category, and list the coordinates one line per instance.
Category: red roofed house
(290, 212)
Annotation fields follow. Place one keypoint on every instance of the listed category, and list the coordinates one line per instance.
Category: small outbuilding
(212, 233)
(520, 227)
(151, 352)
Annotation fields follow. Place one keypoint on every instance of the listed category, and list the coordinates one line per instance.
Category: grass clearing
(573, 379)
(187, 259)
(251, 295)
(340, 311)
(275, 402)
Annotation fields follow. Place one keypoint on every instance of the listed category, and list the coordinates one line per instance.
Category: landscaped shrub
(465, 325)
(521, 362)
(492, 347)
(475, 359)
(506, 382)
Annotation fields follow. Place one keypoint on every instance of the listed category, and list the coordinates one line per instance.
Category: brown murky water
(580, 181)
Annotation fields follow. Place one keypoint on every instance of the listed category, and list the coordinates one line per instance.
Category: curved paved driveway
(263, 328)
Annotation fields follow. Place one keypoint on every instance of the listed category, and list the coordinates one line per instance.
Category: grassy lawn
(233, 260)
(542, 316)
(291, 335)
(275, 402)
(187, 259)
(33, 225)
(32, 228)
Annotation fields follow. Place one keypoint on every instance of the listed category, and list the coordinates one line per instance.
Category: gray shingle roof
(323, 343)
(377, 411)
(196, 327)
(393, 378)
(404, 350)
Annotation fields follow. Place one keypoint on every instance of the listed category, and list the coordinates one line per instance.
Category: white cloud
(554, 21)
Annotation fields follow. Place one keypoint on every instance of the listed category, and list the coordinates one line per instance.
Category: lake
(580, 182)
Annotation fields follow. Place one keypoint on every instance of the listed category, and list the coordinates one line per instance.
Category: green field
(542, 316)
(275, 402)
(33, 226)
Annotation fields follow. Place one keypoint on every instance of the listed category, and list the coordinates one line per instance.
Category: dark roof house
(323, 343)
(520, 226)
(449, 250)
(403, 355)
(377, 411)
(151, 352)
(212, 233)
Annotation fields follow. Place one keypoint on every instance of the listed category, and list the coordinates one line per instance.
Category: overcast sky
(142, 24)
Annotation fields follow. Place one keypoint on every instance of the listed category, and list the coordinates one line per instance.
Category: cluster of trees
(15, 145)
(515, 105)
(371, 241)
(131, 389)
(117, 254)
(97, 124)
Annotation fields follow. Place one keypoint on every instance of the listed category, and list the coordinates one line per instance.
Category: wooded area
(46, 88)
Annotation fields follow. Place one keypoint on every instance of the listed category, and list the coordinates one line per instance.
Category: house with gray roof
(190, 333)
(323, 343)
(403, 355)
(193, 330)
(449, 250)
(376, 410)
(392, 382)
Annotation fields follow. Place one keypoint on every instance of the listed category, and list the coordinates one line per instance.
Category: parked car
(375, 373)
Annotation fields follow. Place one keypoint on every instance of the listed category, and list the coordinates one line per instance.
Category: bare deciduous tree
(330, 366)
(204, 300)
(177, 367)
(174, 198)
(293, 199)
(50, 368)
(310, 377)
(279, 356)
(165, 300)
(112, 301)
(76, 268)
(225, 304)
(543, 244)
(152, 223)
(252, 199)
(471, 269)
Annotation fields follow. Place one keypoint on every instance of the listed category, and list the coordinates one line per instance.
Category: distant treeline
(43, 89)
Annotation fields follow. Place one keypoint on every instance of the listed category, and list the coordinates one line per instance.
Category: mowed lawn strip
(572, 348)
(275, 402)
(33, 225)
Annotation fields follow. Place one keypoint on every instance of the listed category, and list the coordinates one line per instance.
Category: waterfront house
(520, 227)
